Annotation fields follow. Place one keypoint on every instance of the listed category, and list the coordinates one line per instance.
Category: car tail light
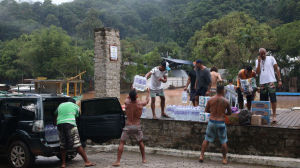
(38, 126)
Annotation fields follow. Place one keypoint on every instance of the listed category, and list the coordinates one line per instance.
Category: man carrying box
(246, 73)
(265, 66)
(216, 106)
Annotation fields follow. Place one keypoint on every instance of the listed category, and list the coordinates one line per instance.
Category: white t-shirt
(156, 74)
(267, 73)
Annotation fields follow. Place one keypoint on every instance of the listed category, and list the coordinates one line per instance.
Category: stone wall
(246, 140)
(107, 72)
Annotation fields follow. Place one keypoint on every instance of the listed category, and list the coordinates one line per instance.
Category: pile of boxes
(261, 111)
(204, 117)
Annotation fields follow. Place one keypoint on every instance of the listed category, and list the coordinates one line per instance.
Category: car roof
(33, 95)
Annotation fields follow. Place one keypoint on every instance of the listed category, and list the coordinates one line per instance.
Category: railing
(230, 99)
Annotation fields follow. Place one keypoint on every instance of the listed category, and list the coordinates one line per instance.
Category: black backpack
(245, 117)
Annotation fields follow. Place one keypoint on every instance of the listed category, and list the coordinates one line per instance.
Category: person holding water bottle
(192, 81)
(133, 108)
(158, 77)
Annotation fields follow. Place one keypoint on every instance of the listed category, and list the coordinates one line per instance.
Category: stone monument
(107, 51)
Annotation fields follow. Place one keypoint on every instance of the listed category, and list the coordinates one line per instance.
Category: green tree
(47, 52)
(86, 28)
(51, 20)
(231, 41)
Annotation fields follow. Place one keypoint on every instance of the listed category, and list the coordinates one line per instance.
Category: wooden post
(75, 85)
(80, 86)
(68, 88)
(57, 87)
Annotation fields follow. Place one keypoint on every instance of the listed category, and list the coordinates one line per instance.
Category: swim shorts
(154, 93)
(266, 90)
(132, 130)
(214, 128)
(213, 92)
(68, 136)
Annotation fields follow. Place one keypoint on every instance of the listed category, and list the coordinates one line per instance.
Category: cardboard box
(232, 119)
(260, 105)
(256, 120)
(204, 117)
(203, 100)
(202, 109)
(265, 120)
(262, 112)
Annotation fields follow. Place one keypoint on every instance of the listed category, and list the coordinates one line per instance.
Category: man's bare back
(217, 106)
(134, 109)
(214, 79)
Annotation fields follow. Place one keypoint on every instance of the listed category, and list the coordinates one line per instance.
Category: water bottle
(144, 82)
(143, 113)
(56, 134)
(135, 81)
(182, 113)
(46, 133)
(173, 107)
(175, 113)
(184, 97)
(50, 133)
(190, 113)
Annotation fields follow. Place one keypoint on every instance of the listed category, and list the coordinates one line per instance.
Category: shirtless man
(216, 106)
(215, 77)
(133, 110)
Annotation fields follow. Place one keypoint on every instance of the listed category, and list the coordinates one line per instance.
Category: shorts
(214, 128)
(266, 90)
(132, 130)
(213, 92)
(154, 93)
(68, 136)
(192, 94)
(201, 91)
(250, 98)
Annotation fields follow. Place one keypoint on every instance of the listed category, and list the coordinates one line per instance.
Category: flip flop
(225, 163)
(155, 118)
(93, 164)
(201, 160)
(166, 116)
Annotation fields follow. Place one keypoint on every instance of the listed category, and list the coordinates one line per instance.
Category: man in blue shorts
(217, 106)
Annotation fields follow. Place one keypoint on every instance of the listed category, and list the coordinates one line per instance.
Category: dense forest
(44, 39)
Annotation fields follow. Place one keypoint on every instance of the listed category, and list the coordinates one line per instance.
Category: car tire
(70, 156)
(19, 155)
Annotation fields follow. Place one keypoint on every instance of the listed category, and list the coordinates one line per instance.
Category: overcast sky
(54, 1)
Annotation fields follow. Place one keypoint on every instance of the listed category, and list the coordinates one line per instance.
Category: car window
(101, 107)
(29, 109)
(9, 105)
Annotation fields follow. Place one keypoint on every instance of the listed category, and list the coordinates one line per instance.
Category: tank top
(244, 76)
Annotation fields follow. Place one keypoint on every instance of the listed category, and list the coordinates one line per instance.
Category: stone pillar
(107, 71)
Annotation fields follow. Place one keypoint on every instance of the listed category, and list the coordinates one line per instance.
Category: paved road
(132, 160)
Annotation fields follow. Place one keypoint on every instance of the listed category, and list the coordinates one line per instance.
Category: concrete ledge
(248, 159)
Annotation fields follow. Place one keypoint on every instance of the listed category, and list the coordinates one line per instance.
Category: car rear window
(101, 107)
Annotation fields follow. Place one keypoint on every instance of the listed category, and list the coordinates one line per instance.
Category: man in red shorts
(133, 128)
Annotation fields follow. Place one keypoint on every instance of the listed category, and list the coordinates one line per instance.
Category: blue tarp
(178, 61)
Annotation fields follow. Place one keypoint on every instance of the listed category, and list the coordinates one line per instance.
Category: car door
(101, 119)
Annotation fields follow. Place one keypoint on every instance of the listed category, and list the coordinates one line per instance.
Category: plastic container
(184, 97)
